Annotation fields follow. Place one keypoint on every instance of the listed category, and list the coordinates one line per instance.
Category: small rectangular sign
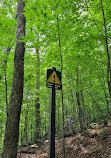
(54, 77)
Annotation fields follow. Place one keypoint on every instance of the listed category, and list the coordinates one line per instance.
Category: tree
(37, 103)
(71, 34)
(13, 118)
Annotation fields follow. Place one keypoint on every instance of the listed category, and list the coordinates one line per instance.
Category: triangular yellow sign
(54, 78)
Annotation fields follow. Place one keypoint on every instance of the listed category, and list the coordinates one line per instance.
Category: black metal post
(51, 153)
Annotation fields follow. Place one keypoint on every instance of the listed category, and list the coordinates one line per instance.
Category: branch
(93, 20)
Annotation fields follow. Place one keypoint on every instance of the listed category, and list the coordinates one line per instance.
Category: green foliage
(80, 31)
(105, 133)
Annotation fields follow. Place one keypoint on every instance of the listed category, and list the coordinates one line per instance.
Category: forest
(74, 36)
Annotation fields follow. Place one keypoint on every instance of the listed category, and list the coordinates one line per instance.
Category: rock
(46, 141)
(94, 125)
(34, 146)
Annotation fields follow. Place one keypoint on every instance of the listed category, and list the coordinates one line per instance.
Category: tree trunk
(97, 108)
(107, 50)
(106, 97)
(61, 58)
(4, 62)
(5, 74)
(85, 117)
(37, 104)
(13, 118)
(80, 111)
(26, 128)
(80, 114)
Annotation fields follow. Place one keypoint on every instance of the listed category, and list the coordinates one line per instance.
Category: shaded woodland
(74, 37)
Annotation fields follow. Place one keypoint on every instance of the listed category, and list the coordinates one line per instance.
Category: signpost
(53, 82)
(54, 78)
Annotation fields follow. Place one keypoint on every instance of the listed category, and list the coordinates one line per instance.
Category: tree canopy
(74, 35)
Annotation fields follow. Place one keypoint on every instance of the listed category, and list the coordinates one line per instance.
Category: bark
(37, 104)
(12, 123)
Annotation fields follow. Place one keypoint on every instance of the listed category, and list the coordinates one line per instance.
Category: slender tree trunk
(31, 131)
(4, 66)
(45, 123)
(85, 117)
(80, 112)
(4, 62)
(26, 128)
(97, 108)
(106, 97)
(61, 58)
(5, 74)
(58, 111)
(37, 103)
(6, 93)
(12, 123)
(73, 94)
(107, 50)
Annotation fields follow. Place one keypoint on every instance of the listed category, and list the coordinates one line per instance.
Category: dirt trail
(86, 145)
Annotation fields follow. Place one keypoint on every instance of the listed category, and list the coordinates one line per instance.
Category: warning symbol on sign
(54, 77)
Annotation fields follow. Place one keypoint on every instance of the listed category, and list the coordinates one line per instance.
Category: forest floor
(93, 143)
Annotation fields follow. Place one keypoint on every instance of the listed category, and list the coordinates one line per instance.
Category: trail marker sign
(54, 77)
(53, 82)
